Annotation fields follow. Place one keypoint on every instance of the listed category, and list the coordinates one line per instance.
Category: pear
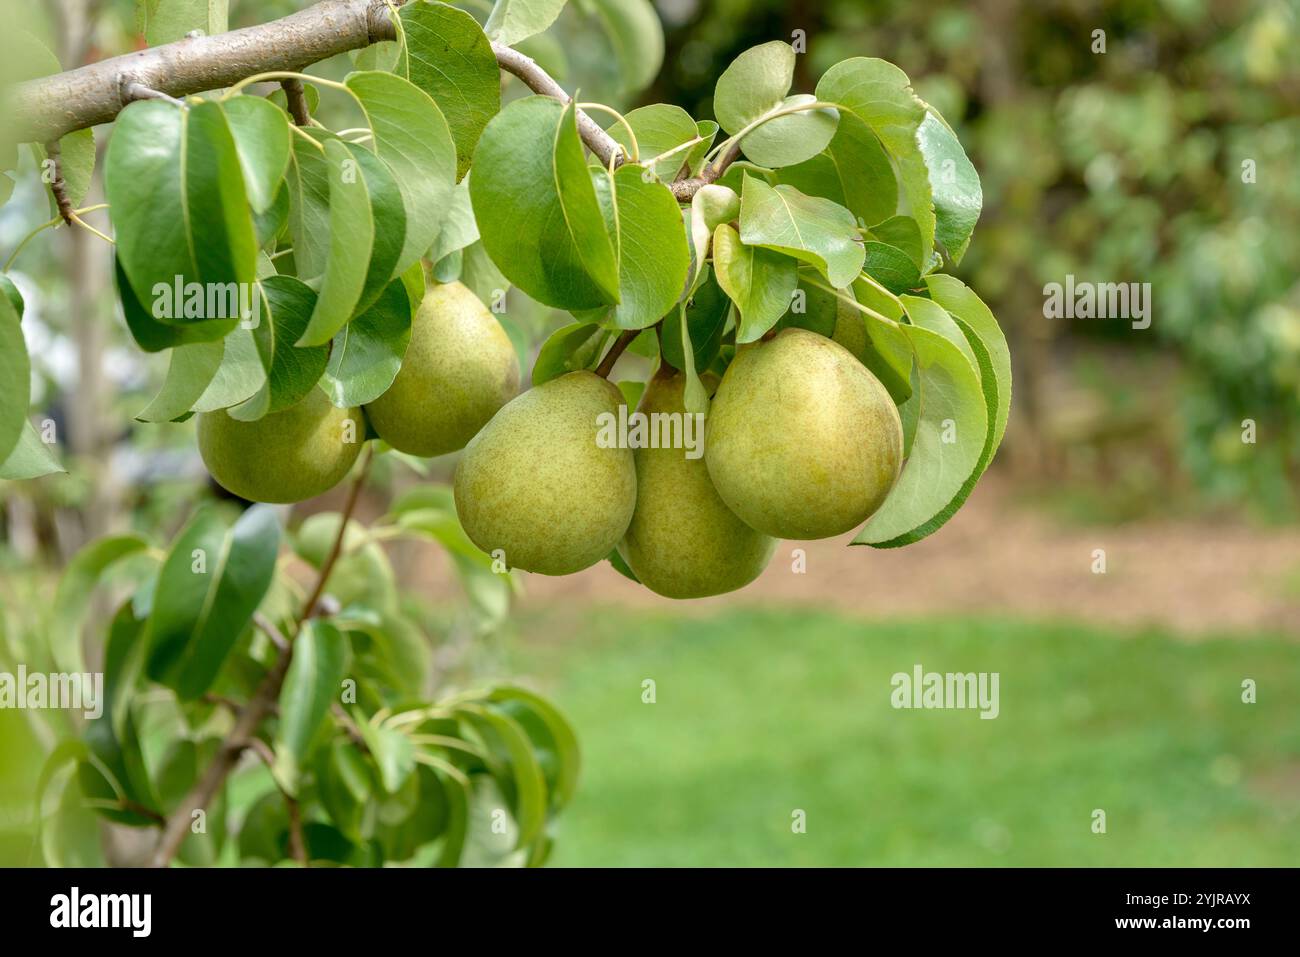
(683, 541)
(459, 369)
(803, 441)
(287, 456)
(535, 483)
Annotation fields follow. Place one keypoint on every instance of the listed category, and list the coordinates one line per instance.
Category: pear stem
(617, 349)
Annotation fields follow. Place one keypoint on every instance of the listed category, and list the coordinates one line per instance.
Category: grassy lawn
(760, 713)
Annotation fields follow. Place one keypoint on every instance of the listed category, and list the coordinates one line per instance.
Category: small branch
(258, 707)
(132, 91)
(267, 628)
(295, 95)
(685, 189)
(539, 81)
(297, 845)
(617, 349)
(57, 185)
(327, 566)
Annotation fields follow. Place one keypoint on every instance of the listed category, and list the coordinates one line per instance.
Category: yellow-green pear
(683, 541)
(287, 456)
(459, 369)
(803, 441)
(541, 482)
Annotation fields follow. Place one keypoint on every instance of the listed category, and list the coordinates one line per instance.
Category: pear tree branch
(45, 109)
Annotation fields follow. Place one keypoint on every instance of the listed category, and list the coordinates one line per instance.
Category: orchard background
(1148, 142)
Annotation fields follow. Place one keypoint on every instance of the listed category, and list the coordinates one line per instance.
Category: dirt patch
(995, 557)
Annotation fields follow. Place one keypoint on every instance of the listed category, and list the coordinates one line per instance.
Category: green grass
(761, 713)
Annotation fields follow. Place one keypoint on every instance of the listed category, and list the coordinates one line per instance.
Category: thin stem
(295, 96)
(867, 310)
(617, 349)
(622, 121)
(676, 149)
(85, 225)
(327, 566)
(52, 224)
(299, 131)
(283, 75)
(767, 117)
(881, 289)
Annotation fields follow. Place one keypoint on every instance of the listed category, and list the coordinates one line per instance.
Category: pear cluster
(801, 442)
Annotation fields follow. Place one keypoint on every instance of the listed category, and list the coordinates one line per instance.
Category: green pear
(536, 484)
(683, 541)
(459, 369)
(286, 456)
(803, 441)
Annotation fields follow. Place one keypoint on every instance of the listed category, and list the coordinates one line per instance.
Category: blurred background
(1129, 561)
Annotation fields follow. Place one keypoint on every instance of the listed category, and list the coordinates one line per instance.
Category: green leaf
(174, 180)
(810, 228)
(890, 267)
(153, 335)
(412, 137)
(451, 59)
(76, 586)
(537, 210)
(880, 95)
(459, 229)
(758, 280)
(291, 372)
(15, 378)
(978, 323)
(189, 373)
(313, 682)
(239, 376)
(367, 353)
(393, 753)
(902, 233)
(308, 182)
(659, 128)
(12, 293)
(551, 733)
(527, 784)
(635, 33)
(513, 20)
(569, 349)
(262, 141)
(209, 587)
(166, 21)
(853, 170)
(793, 137)
(710, 207)
(31, 458)
(456, 787)
(950, 402)
(653, 258)
(706, 317)
(954, 184)
(755, 84)
(352, 244)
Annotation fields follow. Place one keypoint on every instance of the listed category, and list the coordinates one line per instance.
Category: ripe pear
(536, 484)
(459, 369)
(286, 456)
(803, 441)
(683, 541)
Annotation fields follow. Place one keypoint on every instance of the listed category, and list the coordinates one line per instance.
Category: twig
(297, 845)
(57, 185)
(267, 628)
(258, 707)
(295, 95)
(617, 349)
